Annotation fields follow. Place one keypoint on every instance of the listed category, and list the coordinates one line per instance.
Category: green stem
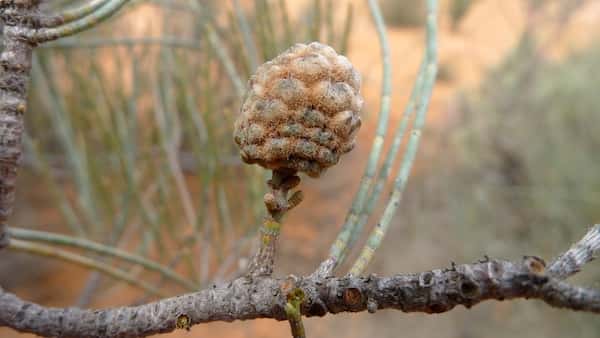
(47, 237)
(378, 233)
(277, 204)
(386, 168)
(77, 13)
(86, 262)
(98, 15)
(249, 42)
(340, 246)
(170, 41)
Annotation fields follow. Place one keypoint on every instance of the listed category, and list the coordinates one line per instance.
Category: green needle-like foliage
(134, 139)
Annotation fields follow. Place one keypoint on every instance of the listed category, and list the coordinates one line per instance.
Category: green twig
(386, 168)
(98, 15)
(76, 13)
(347, 28)
(340, 246)
(47, 251)
(48, 237)
(382, 226)
(125, 41)
(249, 43)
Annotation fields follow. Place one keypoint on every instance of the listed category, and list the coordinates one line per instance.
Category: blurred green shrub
(535, 126)
(517, 169)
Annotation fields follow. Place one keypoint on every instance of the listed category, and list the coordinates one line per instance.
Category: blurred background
(129, 145)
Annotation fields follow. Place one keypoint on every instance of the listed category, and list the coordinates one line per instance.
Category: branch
(340, 247)
(430, 70)
(15, 66)
(97, 15)
(247, 298)
(169, 41)
(80, 243)
(72, 14)
(277, 204)
(21, 35)
(578, 255)
(44, 250)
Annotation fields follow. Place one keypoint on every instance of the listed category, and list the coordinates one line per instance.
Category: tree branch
(99, 14)
(246, 298)
(15, 66)
(21, 34)
(578, 255)
(71, 14)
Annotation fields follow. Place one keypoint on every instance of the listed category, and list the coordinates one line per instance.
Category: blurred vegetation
(132, 136)
(518, 169)
(403, 13)
(458, 10)
(406, 13)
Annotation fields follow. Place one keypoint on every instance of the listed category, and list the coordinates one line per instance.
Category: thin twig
(47, 237)
(378, 233)
(72, 14)
(277, 204)
(47, 251)
(100, 14)
(434, 291)
(582, 252)
(339, 248)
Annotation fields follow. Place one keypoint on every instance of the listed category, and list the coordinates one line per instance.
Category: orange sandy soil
(489, 31)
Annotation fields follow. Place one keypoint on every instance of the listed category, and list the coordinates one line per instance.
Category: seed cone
(301, 111)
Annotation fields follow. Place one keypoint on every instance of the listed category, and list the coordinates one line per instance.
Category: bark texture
(15, 65)
(263, 297)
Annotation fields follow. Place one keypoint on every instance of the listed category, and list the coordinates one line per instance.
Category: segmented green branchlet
(347, 28)
(94, 17)
(171, 138)
(249, 43)
(77, 13)
(219, 48)
(62, 122)
(200, 131)
(170, 41)
(64, 205)
(315, 31)
(73, 14)
(386, 167)
(285, 21)
(169, 128)
(44, 250)
(109, 106)
(215, 42)
(80, 243)
(266, 19)
(340, 246)
(378, 233)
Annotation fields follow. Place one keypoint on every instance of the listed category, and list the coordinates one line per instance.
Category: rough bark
(15, 66)
(582, 252)
(263, 297)
(24, 26)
